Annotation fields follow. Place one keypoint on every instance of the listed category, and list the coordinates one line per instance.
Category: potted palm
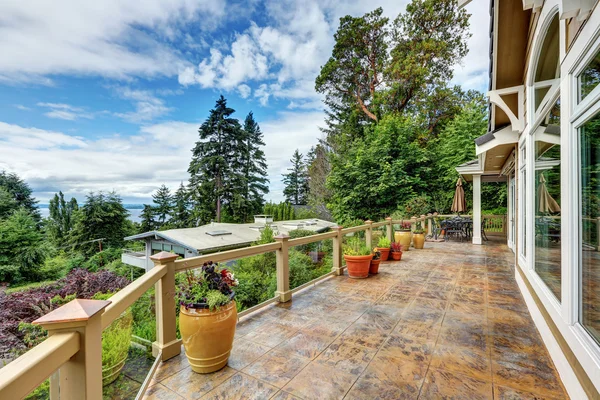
(404, 235)
(374, 267)
(383, 246)
(418, 237)
(207, 317)
(358, 258)
(396, 251)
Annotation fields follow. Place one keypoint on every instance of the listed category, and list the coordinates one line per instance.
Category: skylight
(219, 232)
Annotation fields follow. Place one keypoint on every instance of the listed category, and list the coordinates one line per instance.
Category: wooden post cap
(388, 218)
(164, 257)
(281, 237)
(339, 228)
(368, 222)
(75, 313)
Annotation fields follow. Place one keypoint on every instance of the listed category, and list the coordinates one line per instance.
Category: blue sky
(109, 95)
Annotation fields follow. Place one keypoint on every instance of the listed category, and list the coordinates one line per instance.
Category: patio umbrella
(459, 203)
(546, 204)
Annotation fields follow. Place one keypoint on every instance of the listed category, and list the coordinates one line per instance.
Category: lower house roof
(217, 236)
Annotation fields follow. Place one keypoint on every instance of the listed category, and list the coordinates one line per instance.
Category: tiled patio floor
(445, 322)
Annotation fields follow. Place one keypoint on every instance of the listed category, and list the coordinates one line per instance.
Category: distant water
(134, 211)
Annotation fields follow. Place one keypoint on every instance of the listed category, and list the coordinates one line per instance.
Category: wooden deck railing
(74, 345)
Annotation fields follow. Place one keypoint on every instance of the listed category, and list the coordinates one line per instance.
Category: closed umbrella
(546, 204)
(459, 203)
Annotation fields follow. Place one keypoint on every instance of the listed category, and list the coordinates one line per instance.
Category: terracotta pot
(385, 253)
(207, 336)
(358, 266)
(374, 267)
(404, 238)
(419, 240)
(396, 255)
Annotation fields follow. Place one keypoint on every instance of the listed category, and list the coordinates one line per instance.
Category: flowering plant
(396, 247)
(211, 287)
(376, 254)
(404, 226)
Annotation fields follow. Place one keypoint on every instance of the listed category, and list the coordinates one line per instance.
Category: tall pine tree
(181, 211)
(296, 181)
(163, 199)
(147, 221)
(60, 221)
(210, 168)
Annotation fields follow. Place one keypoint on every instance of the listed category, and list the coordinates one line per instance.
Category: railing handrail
(21, 376)
(311, 239)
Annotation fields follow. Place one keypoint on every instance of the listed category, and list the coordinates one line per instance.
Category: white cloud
(110, 38)
(244, 91)
(65, 111)
(17, 137)
(147, 105)
(22, 107)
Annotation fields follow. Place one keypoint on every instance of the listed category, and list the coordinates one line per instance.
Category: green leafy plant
(356, 247)
(396, 247)
(384, 242)
(211, 287)
(419, 229)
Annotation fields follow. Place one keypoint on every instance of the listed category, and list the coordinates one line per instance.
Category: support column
(476, 209)
(337, 251)
(283, 270)
(390, 228)
(369, 234)
(81, 376)
(166, 343)
(429, 224)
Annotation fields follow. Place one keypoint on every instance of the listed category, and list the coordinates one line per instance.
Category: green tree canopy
(296, 180)
(20, 192)
(60, 220)
(163, 200)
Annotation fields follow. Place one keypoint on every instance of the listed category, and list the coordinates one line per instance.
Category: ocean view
(134, 211)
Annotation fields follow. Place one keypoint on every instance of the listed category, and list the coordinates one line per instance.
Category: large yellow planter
(419, 240)
(207, 336)
(404, 238)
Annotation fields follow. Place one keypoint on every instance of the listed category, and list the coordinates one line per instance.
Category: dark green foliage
(101, 259)
(147, 219)
(21, 245)
(296, 181)
(181, 210)
(60, 221)
(101, 217)
(283, 211)
(417, 206)
(305, 248)
(19, 196)
(163, 200)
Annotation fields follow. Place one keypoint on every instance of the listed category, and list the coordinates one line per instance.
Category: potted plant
(396, 251)
(418, 237)
(383, 246)
(404, 235)
(374, 267)
(207, 317)
(358, 258)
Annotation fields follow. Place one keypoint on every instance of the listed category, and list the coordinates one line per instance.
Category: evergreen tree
(254, 169)
(148, 223)
(20, 241)
(211, 166)
(60, 220)
(163, 199)
(20, 192)
(181, 212)
(296, 181)
(101, 217)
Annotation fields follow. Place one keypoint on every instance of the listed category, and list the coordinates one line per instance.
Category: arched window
(545, 130)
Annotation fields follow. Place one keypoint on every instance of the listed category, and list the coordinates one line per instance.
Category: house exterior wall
(558, 315)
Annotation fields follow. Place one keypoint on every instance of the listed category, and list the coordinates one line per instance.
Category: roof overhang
(494, 139)
(159, 235)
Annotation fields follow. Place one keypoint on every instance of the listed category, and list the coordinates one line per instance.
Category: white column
(476, 209)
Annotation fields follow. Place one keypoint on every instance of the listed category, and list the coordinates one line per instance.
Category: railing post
(81, 376)
(166, 343)
(429, 224)
(369, 233)
(413, 226)
(389, 227)
(337, 251)
(283, 269)
(598, 233)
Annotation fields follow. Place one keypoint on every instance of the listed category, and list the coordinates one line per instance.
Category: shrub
(102, 259)
(356, 247)
(55, 267)
(304, 248)
(384, 242)
(300, 268)
(9, 274)
(417, 206)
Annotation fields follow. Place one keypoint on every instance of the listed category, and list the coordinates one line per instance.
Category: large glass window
(590, 212)
(590, 77)
(547, 200)
(523, 200)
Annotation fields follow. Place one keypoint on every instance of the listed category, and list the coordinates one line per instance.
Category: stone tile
(526, 378)
(241, 386)
(383, 320)
(277, 367)
(305, 344)
(170, 367)
(281, 395)
(364, 336)
(463, 361)
(192, 385)
(244, 352)
(410, 348)
(249, 324)
(346, 357)
(270, 334)
(441, 384)
(506, 393)
(467, 308)
(429, 303)
(159, 392)
(396, 299)
(473, 339)
(317, 381)
(389, 378)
